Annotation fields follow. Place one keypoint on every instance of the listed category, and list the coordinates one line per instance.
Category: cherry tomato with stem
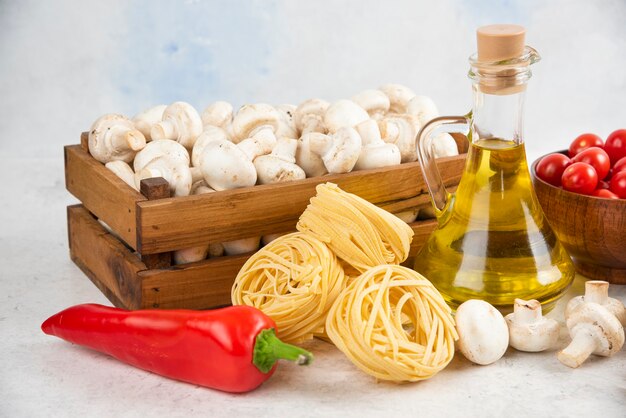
(616, 145)
(551, 167)
(618, 184)
(595, 157)
(584, 141)
(580, 178)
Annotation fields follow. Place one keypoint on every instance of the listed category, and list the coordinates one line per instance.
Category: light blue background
(64, 63)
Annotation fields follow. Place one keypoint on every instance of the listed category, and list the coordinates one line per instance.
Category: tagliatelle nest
(358, 232)
(294, 280)
(393, 324)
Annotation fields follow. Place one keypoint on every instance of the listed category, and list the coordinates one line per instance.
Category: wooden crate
(131, 262)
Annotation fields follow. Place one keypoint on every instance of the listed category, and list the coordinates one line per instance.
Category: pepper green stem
(268, 349)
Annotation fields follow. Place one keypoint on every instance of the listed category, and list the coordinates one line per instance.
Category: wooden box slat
(102, 192)
(110, 265)
(175, 223)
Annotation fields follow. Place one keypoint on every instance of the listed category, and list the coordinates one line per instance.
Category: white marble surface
(44, 376)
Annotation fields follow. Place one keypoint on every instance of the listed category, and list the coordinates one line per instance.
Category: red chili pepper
(232, 349)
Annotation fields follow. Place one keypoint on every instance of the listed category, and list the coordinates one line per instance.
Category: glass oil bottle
(492, 241)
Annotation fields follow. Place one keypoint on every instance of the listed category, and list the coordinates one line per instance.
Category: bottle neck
(497, 116)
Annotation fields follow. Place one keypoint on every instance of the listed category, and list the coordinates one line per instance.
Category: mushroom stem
(597, 291)
(127, 139)
(165, 129)
(320, 143)
(583, 344)
(254, 147)
(285, 149)
(527, 311)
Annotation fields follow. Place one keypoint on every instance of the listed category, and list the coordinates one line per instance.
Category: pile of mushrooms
(220, 149)
(595, 323)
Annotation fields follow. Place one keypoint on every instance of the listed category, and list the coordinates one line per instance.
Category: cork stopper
(500, 42)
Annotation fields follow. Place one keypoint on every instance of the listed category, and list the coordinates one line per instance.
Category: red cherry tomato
(618, 184)
(606, 194)
(616, 145)
(551, 167)
(602, 184)
(620, 165)
(580, 178)
(595, 157)
(584, 141)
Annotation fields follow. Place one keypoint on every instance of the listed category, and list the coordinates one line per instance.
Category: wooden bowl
(592, 230)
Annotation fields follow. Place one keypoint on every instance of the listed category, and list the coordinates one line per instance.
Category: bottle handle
(445, 124)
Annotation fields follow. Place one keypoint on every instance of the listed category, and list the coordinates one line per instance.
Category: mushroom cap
(399, 97)
(483, 333)
(374, 102)
(225, 166)
(308, 111)
(309, 161)
(286, 124)
(273, 169)
(160, 148)
(218, 114)
(185, 121)
(241, 246)
(408, 216)
(251, 117)
(528, 330)
(144, 121)
(114, 137)
(423, 108)
(210, 133)
(597, 321)
(344, 114)
(340, 151)
(175, 172)
(401, 130)
(374, 151)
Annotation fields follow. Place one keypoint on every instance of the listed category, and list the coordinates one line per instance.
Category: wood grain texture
(102, 192)
(108, 263)
(153, 189)
(175, 223)
(592, 230)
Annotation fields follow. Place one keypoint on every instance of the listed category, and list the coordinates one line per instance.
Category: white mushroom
(483, 333)
(423, 108)
(181, 122)
(339, 151)
(597, 291)
(256, 121)
(279, 166)
(528, 329)
(593, 330)
(226, 165)
(286, 123)
(401, 130)
(399, 97)
(123, 171)
(218, 114)
(408, 216)
(113, 137)
(144, 121)
(342, 114)
(199, 253)
(442, 145)
(374, 102)
(309, 116)
(309, 161)
(176, 173)
(160, 148)
(216, 250)
(210, 133)
(241, 246)
(374, 151)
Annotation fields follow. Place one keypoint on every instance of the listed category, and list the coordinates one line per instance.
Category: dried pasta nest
(393, 324)
(357, 231)
(294, 280)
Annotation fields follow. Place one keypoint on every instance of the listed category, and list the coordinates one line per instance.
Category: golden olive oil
(493, 241)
